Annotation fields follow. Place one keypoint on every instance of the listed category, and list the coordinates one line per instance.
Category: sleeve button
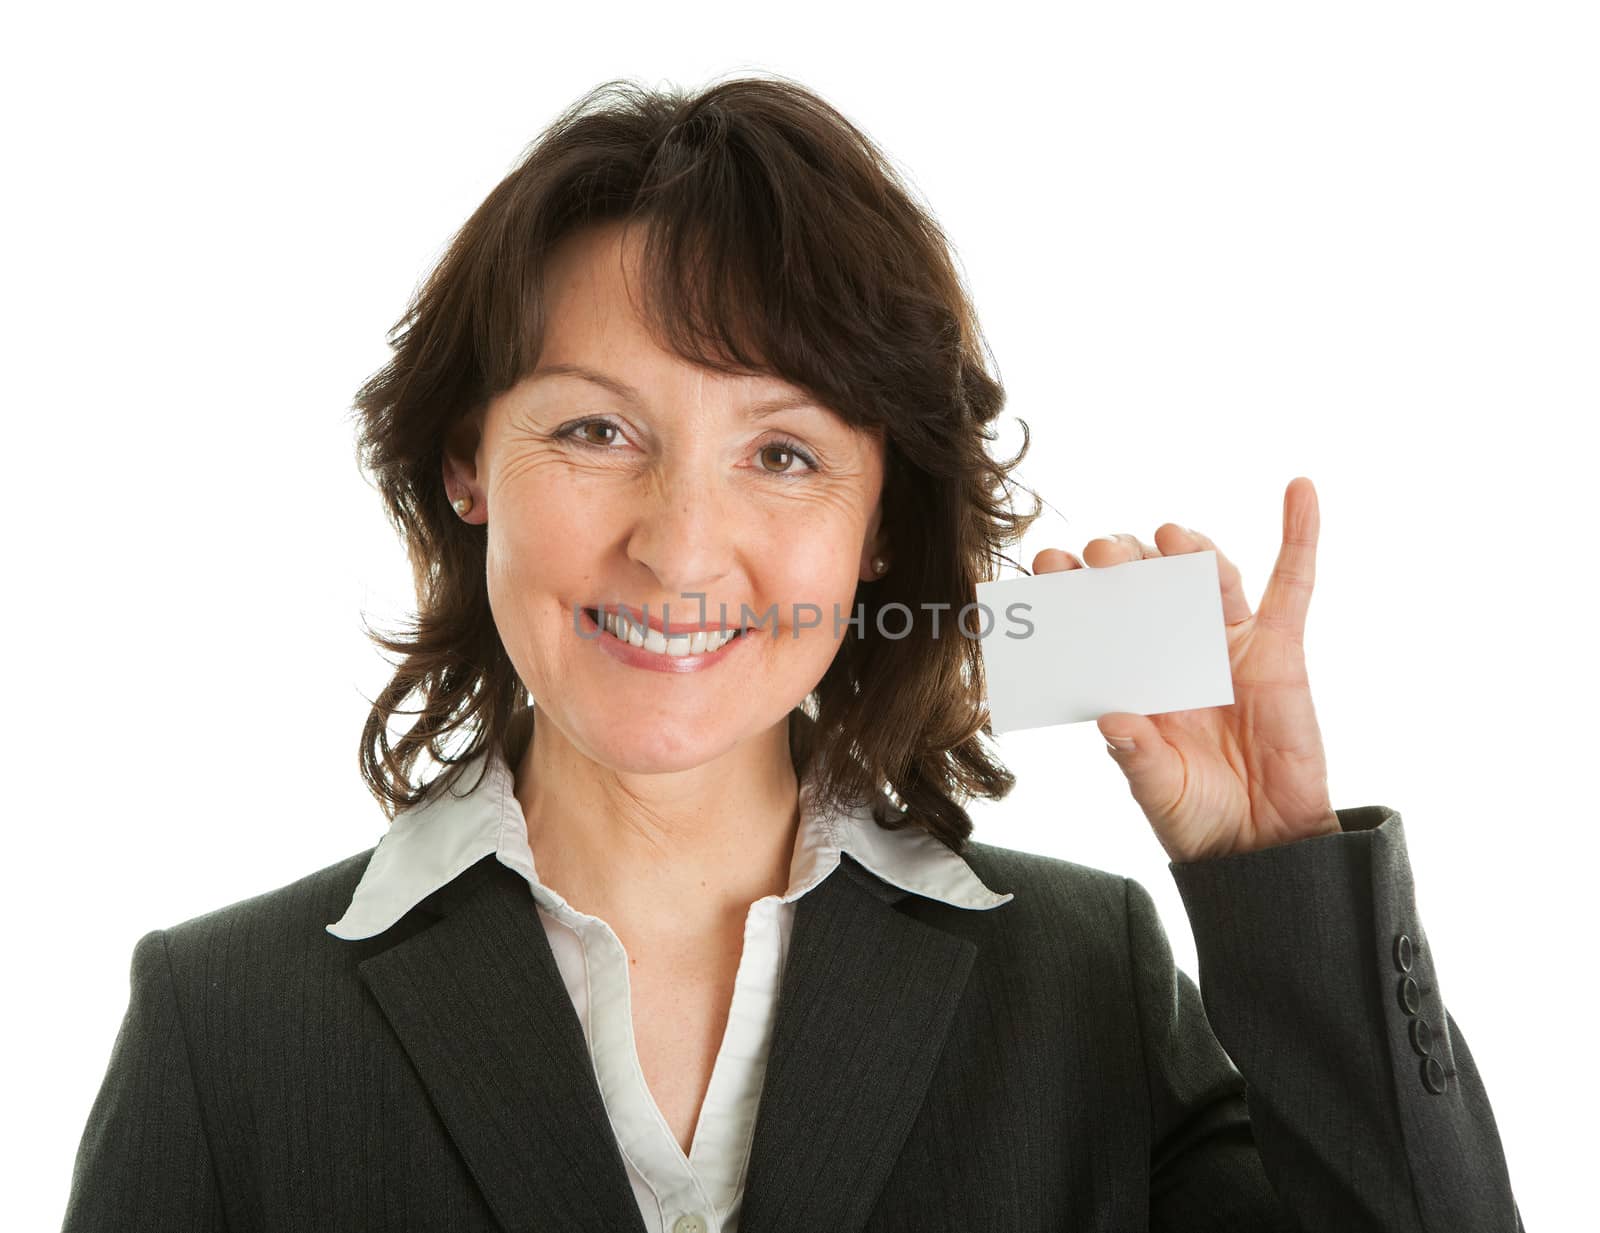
(1421, 1037)
(1410, 996)
(1433, 1075)
(1402, 952)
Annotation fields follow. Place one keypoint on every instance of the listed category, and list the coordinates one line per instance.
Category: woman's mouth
(643, 647)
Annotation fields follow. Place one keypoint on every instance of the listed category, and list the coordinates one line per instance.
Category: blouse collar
(432, 843)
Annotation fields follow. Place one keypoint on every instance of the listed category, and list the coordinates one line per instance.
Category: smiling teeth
(701, 642)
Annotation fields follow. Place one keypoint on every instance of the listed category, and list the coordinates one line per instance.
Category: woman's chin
(642, 753)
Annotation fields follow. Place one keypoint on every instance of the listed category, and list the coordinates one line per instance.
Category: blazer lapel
(479, 1005)
(867, 999)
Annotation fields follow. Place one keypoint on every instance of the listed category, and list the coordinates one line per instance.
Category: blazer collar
(430, 845)
(472, 991)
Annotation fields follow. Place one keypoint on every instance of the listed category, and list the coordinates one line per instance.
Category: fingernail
(1119, 744)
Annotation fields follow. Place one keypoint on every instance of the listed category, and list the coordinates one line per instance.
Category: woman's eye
(786, 452)
(777, 457)
(596, 432)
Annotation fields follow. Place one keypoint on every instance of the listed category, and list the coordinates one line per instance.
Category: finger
(1051, 560)
(1154, 768)
(1115, 549)
(1288, 594)
(1235, 603)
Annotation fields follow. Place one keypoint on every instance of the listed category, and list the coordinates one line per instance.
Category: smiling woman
(706, 945)
(670, 357)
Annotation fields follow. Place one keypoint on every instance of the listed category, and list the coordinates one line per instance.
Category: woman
(689, 933)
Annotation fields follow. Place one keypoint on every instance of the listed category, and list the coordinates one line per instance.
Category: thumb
(1136, 745)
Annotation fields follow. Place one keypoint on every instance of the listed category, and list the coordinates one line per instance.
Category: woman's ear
(874, 562)
(460, 463)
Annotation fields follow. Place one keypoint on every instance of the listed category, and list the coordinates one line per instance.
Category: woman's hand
(1224, 779)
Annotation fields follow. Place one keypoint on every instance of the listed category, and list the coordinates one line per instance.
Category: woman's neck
(664, 858)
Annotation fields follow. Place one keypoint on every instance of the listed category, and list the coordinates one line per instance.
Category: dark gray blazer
(1041, 1065)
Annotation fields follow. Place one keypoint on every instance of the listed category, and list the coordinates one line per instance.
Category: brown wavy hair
(779, 241)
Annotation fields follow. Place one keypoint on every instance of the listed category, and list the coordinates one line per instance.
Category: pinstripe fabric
(426, 847)
(1041, 1066)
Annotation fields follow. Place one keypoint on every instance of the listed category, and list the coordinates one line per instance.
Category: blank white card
(1141, 636)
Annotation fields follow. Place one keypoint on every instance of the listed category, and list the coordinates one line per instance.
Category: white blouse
(429, 845)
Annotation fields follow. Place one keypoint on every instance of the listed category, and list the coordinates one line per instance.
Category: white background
(1213, 246)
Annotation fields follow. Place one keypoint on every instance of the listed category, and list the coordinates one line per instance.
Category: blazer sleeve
(143, 1161)
(1317, 979)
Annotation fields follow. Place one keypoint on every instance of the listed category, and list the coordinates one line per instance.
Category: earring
(462, 504)
(879, 565)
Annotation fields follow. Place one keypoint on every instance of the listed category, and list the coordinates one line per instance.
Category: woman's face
(595, 498)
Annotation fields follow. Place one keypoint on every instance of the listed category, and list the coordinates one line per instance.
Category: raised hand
(1224, 779)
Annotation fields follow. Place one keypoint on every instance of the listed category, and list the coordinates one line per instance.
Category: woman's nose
(684, 533)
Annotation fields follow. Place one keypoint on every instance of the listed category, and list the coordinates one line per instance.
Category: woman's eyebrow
(631, 396)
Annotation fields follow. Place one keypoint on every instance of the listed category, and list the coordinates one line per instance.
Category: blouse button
(689, 1222)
